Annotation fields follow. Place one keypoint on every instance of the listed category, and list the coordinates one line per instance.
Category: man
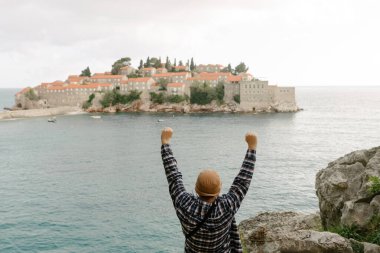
(207, 220)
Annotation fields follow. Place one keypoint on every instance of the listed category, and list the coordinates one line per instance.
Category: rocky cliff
(346, 205)
(185, 107)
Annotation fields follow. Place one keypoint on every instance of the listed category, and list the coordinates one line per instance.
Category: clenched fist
(251, 140)
(166, 135)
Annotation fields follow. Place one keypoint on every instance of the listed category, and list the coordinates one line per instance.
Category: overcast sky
(288, 42)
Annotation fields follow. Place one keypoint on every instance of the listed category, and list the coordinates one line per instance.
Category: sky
(287, 42)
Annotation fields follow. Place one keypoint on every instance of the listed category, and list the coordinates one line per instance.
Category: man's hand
(166, 135)
(251, 140)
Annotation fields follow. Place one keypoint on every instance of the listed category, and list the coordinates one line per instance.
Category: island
(156, 86)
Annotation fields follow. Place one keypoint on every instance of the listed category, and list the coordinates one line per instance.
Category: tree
(168, 65)
(241, 68)
(175, 62)
(86, 72)
(122, 62)
(219, 90)
(141, 64)
(158, 63)
(192, 65)
(31, 95)
(147, 64)
(237, 99)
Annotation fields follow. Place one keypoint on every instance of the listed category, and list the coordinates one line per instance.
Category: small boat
(96, 117)
(52, 120)
(160, 120)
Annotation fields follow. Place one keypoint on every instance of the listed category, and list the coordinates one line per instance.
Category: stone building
(54, 95)
(176, 89)
(161, 70)
(127, 70)
(115, 80)
(142, 84)
(181, 68)
(211, 79)
(148, 71)
(172, 77)
(209, 68)
(75, 79)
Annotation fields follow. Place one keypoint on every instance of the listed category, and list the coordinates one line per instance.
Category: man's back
(219, 232)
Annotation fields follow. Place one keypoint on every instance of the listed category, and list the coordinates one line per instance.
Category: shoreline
(136, 107)
(187, 108)
(32, 113)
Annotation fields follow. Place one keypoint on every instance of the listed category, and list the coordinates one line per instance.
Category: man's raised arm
(176, 187)
(242, 181)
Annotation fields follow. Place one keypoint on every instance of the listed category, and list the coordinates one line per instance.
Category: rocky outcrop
(185, 107)
(344, 201)
(272, 232)
(342, 189)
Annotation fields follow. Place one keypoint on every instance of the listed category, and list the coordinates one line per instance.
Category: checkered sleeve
(174, 177)
(241, 182)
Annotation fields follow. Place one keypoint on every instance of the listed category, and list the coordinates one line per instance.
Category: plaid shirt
(219, 233)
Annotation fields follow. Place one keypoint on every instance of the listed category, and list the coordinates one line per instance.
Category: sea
(98, 185)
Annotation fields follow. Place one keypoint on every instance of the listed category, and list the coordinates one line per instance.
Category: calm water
(86, 185)
(7, 98)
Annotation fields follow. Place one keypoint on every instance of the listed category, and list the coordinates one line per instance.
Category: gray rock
(275, 232)
(343, 183)
(371, 248)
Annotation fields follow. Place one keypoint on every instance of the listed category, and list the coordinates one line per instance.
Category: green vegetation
(31, 95)
(375, 185)
(237, 99)
(134, 75)
(86, 72)
(370, 234)
(141, 64)
(115, 97)
(88, 103)
(357, 247)
(192, 65)
(241, 68)
(161, 98)
(203, 94)
(122, 62)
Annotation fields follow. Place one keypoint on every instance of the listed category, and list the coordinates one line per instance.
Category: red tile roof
(139, 79)
(80, 86)
(234, 78)
(104, 76)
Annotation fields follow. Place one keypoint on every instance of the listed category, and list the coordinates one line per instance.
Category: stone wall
(255, 95)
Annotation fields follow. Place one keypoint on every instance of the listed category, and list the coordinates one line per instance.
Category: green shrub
(115, 97)
(158, 98)
(203, 94)
(31, 95)
(86, 105)
(91, 97)
(175, 98)
(219, 91)
(347, 232)
(357, 247)
(371, 233)
(237, 99)
(375, 185)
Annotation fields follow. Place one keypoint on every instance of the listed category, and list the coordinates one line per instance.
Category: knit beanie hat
(208, 183)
